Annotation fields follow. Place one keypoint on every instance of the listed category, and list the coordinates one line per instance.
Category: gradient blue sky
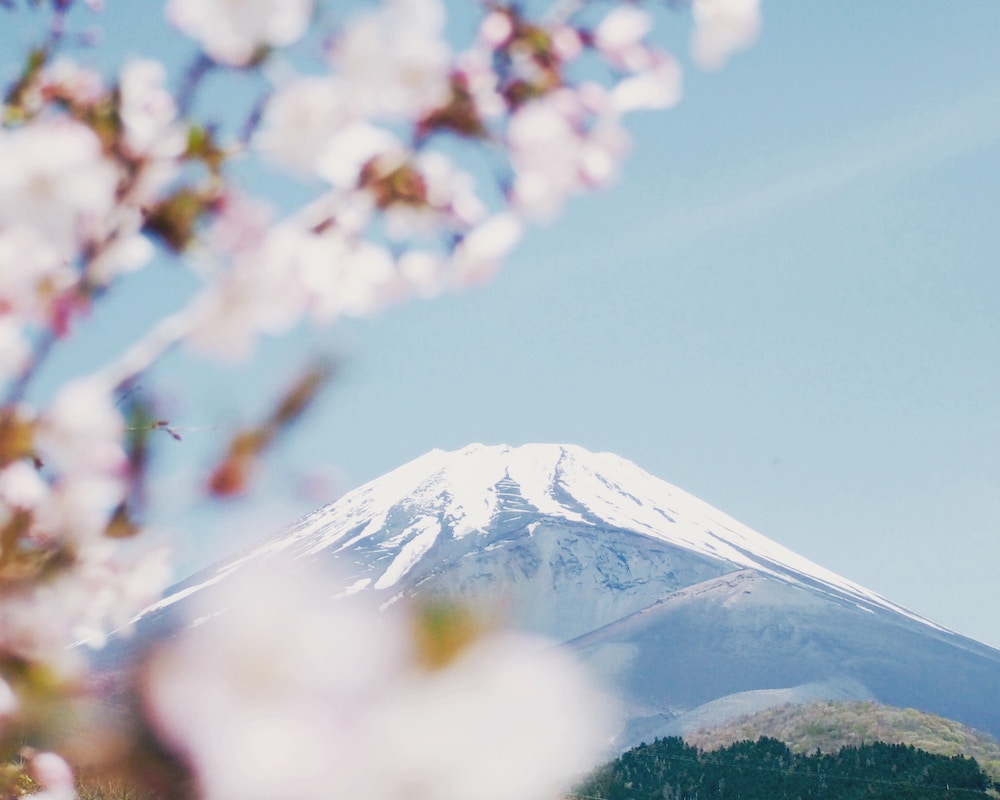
(789, 306)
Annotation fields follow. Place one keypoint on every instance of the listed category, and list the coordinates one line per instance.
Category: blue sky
(789, 306)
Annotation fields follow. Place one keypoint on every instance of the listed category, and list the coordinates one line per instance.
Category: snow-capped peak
(463, 492)
(472, 492)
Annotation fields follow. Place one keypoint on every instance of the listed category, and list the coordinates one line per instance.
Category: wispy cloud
(904, 144)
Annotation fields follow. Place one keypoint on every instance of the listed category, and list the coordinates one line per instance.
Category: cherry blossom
(421, 167)
(234, 31)
(394, 61)
(54, 775)
(291, 677)
(148, 111)
(721, 28)
(54, 179)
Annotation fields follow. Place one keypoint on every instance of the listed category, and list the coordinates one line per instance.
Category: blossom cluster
(387, 125)
(293, 694)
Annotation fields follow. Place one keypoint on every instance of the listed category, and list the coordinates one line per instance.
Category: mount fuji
(689, 616)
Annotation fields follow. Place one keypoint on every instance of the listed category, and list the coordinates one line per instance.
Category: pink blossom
(55, 180)
(14, 348)
(480, 254)
(148, 112)
(299, 121)
(81, 432)
(232, 31)
(54, 774)
(722, 27)
(619, 35)
(656, 87)
(325, 699)
(394, 61)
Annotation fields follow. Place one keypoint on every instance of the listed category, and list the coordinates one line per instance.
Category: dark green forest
(765, 769)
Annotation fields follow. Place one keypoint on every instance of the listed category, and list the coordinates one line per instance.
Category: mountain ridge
(684, 612)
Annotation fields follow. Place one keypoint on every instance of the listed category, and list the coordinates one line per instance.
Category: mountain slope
(831, 725)
(689, 615)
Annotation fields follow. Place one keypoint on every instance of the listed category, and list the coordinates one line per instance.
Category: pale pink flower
(22, 487)
(8, 701)
(479, 255)
(395, 61)
(423, 271)
(233, 31)
(54, 179)
(325, 699)
(495, 29)
(81, 433)
(544, 142)
(54, 775)
(14, 348)
(351, 148)
(148, 112)
(656, 87)
(299, 121)
(722, 27)
(32, 273)
(619, 35)
(105, 590)
(127, 252)
(241, 224)
(83, 84)
(476, 67)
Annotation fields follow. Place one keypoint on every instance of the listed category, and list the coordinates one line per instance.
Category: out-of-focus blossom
(619, 35)
(68, 80)
(496, 29)
(299, 120)
(350, 149)
(14, 348)
(53, 774)
(234, 31)
(328, 699)
(656, 87)
(148, 112)
(295, 272)
(100, 591)
(55, 180)
(722, 27)
(479, 255)
(108, 589)
(81, 432)
(8, 701)
(21, 487)
(240, 225)
(559, 146)
(394, 62)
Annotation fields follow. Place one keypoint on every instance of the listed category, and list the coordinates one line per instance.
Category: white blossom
(14, 348)
(81, 432)
(233, 31)
(722, 27)
(147, 109)
(394, 61)
(621, 32)
(299, 120)
(53, 774)
(32, 272)
(55, 180)
(326, 699)
(480, 254)
(22, 487)
(8, 701)
(351, 148)
(656, 87)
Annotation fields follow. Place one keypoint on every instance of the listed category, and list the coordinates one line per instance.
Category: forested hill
(831, 725)
(670, 769)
